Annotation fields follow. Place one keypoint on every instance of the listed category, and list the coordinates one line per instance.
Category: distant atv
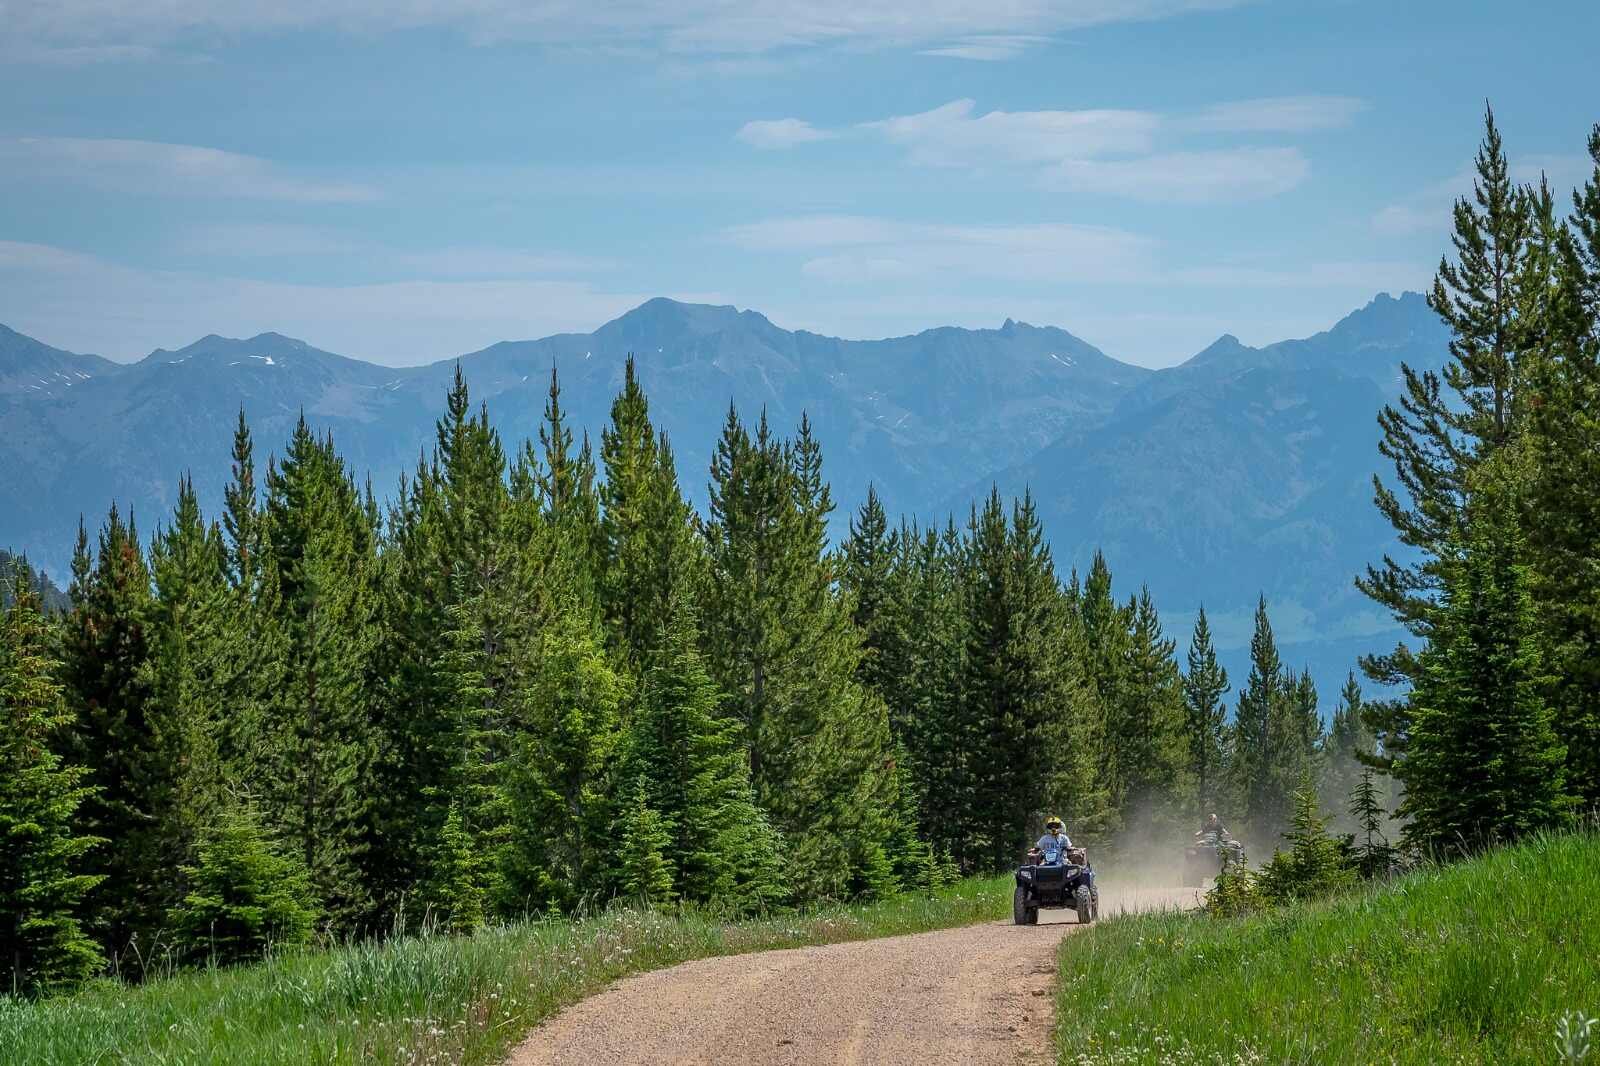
(1209, 856)
(1055, 886)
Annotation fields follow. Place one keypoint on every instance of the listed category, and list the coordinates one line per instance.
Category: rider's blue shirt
(1054, 847)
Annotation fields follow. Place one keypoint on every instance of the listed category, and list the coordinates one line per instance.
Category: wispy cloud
(949, 27)
(1278, 114)
(988, 48)
(157, 168)
(781, 133)
(1188, 177)
(1116, 152)
(954, 135)
(858, 249)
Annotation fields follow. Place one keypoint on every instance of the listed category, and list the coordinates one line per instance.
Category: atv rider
(1054, 844)
(1211, 832)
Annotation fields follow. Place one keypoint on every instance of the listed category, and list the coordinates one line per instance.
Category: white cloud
(1188, 177)
(1279, 114)
(1113, 152)
(44, 290)
(861, 249)
(781, 133)
(987, 48)
(156, 168)
(952, 136)
(687, 26)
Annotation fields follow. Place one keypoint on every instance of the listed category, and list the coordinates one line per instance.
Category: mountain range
(1239, 472)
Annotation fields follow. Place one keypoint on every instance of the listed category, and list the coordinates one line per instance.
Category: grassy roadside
(457, 1000)
(1475, 962)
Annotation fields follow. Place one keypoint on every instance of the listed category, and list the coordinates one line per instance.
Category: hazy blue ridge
(1242, 470)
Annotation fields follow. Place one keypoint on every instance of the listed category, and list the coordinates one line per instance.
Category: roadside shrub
(1316, 864)
(244, 893)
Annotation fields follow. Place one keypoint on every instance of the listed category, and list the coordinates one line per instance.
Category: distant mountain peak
(1224, 347)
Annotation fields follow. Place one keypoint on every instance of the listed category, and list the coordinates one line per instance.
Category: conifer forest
(532, 679)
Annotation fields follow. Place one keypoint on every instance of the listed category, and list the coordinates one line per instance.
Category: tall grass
(1475, 962)
(425, 1000)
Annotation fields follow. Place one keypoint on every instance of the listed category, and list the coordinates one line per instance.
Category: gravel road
(975, 995)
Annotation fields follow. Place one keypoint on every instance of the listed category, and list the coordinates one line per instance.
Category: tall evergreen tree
(783, 648)
(1268, 736)
(1346, 748)
(646, 536)
(187, 678)
(1484, 763)
(870, 575)
(689, 763)
(1563, 510)
(562, 778)
(1150, 723)
(43, 947)
(1204, 687)
(1450, 422)
(321, 748)
(106, 665)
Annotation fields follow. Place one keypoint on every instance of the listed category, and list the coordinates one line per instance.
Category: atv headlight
(1025, 873)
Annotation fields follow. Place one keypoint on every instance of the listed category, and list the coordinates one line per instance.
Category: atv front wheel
(1086, 907)
(1021, 912)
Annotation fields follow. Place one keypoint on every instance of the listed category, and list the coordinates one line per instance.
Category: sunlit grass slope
(1475, 962)
(425, 1000)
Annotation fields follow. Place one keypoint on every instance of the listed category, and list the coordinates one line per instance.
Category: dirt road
(958, 996)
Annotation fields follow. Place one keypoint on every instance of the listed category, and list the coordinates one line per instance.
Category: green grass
(1475, 962)
(426, 1000)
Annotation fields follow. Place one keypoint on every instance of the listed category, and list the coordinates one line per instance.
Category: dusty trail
(975, 995)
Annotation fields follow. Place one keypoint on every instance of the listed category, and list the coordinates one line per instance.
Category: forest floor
(972, 995)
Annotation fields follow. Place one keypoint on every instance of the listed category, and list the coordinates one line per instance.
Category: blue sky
(405, 182)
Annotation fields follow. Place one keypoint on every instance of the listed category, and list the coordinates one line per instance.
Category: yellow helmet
(1052, 821)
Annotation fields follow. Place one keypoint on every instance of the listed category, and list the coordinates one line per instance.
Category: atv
(1209, 856)
(1055, 886)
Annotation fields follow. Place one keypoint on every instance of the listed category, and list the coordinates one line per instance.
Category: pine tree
(561, 779)
(646, 873)
(1484, 763)
(869, 574)
(1203, 689)
(1346, 749)
(933, 729)
(245, 895)
(1563, 510)
(1315, 864)
(1106, 651)
(187, 678)
(106, 666)
(453, 890)
(1260, 781)
(1449, 423)
(695, 778)
(783, 648)
(1150, 735)
(1374, 856)
(647, 545)
(241, 511)
(319, 755)
(42, 848)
